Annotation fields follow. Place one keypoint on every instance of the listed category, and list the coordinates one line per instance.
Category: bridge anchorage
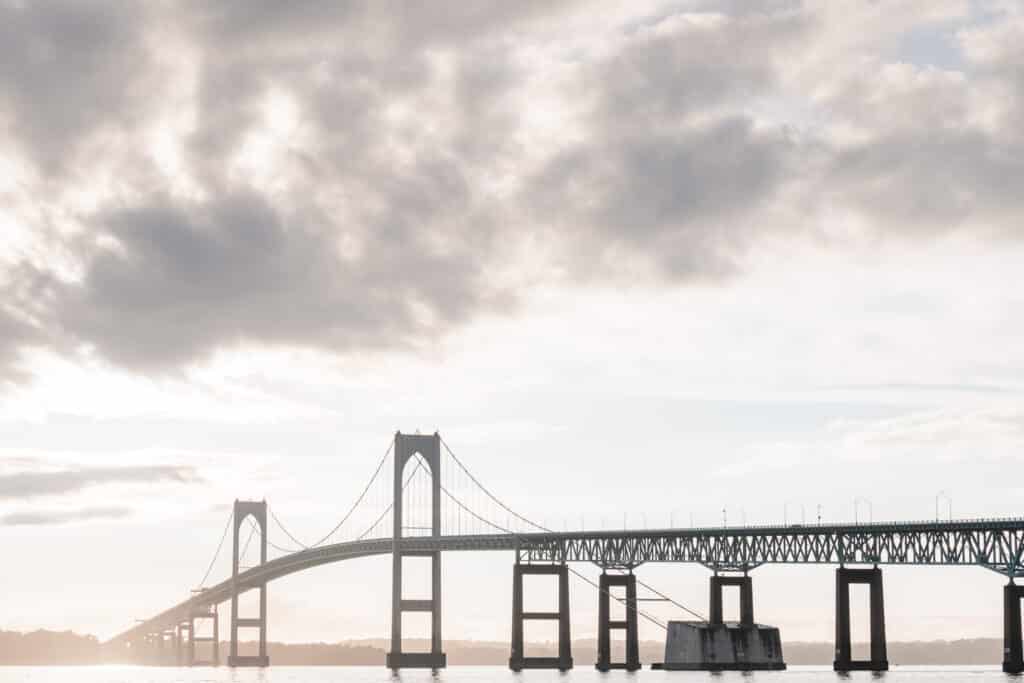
(458, 522)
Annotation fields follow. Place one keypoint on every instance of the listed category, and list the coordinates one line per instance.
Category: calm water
(465, 674)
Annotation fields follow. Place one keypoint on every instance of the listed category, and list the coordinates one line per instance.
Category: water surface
(476, 674)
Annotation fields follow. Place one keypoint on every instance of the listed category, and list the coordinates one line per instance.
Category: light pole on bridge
(856, 507)
(785, 512)
(944, 494)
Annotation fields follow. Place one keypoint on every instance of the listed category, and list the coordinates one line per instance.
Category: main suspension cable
(220, 546)
(487, 492)
(271, 544)
(351, 510)
(571, 569)
(245, 548)
(541, 527)
(390, 507)
(287, 533)
(376, 473)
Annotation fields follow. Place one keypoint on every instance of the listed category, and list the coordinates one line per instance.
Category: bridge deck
(995, 544)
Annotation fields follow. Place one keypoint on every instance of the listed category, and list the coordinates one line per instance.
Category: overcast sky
(685, 256)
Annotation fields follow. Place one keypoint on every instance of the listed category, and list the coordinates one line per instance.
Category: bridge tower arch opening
(428, 448)
(255, 513)
(744, 586)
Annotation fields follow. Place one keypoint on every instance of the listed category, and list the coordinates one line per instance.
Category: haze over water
(644, 264)
(469, 674)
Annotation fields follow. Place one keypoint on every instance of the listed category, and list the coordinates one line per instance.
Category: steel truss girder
(997, 545)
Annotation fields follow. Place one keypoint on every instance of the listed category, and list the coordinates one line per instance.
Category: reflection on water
(471, 674)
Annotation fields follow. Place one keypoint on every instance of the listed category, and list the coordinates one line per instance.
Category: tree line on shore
(41, 648)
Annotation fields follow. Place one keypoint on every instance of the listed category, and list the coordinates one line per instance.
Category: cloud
(14, 335)
(366, 178)
(683, 203)
(51, 517)
(69, 73)
(27, 485)
(926, 166)
(187, 279)
(971, 435)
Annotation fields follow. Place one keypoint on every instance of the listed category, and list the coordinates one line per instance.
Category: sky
(641, 262)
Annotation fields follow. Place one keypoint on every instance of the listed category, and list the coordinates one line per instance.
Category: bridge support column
(168, 653)
(182, 650)
(407, 446)
(212, 615)
(879, 660)
(258, 511)
(518, 660)
(151, 655)
(605, 625)
(746, 586)
(1013, 649)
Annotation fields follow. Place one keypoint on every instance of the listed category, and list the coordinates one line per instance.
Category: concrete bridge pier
(258, 511)
(181, 647)
(147, 654)
(879, 660)
(154, 648)
(213, 615)
(1013, 650)
(407, 446)
(136, 650)
(746, 586)
(167, 655)
(518, 660)
(605, 625)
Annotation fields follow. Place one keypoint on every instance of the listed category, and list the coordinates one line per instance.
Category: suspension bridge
(434, 504)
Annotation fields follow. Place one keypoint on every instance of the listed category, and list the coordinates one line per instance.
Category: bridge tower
(258, 511)
(406, 446)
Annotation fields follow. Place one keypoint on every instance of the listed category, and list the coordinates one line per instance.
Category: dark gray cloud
(652, 181)
(389, 24)
(927, 182)
(71, 71)
(924, 161)
(681, 202)
(366, 251)
(189, 279)
(26, 485)
(51, 517)
(665, 72)
(412, 178)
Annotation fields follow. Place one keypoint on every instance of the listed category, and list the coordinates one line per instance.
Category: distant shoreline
(50, 648)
